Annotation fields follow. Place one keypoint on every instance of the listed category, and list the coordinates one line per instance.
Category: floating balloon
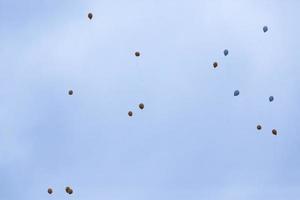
(258, 127)
(68, 189)
(137, 54)
(50, 191)
(236, 93)
(274, 132)
(215, 64)
(90, 15)
(130, 113)
(271, 98)
(141, 106)
(226, 52)
(265, 28)
(70, 92)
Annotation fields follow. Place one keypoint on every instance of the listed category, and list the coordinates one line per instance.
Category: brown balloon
(130, 113)
(90, 15)
(141, 106)
(137, 54)
(258, 127)
(274, 132)
(68, 189)
(50, 191)
(215, 64)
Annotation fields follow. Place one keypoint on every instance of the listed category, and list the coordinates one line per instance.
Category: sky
(193, 140)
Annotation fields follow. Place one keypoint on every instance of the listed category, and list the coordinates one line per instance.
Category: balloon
(50, 190)
(271, 98)
(215, 64)
(141, 106)
(70, 92)
(226, 52)
(130, 113)
(137, 54)
(236, 93)
(274, 132)
(265, 28)
(258, 127)
(90, 15)
(68, 189)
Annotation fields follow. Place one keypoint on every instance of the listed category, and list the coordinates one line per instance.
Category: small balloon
(130, 113)
(141, 106)
(271, 98)
(70, 92)
(50, 191)
(215, 64)
(90, 15)
(258, 127)
(137, 54)
(70, 191)
(226, 52)
(274, 132)
(236, 93)
(265, 28)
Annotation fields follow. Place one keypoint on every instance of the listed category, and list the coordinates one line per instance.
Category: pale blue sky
(194, 139)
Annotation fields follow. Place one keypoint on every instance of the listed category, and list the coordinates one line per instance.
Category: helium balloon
(50, 191)
(265, 28)
(226, 52)
(258, 127)
(70, 191)
(70, 92)
(137, 54)
(141, 106)
(274, 132)
(215, 64)
(90, 15)
(271, 98)
(130, 113)
(236, 93)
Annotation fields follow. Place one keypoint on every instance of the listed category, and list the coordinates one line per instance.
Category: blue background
(194, 139)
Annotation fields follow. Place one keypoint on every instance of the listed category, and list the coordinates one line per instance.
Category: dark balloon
(258, 127)
(70, 92)
(130, 113)
(68, 189)
(265, 28)
(271, 98)
(236, 93)
(274, 132)
(226, 52)
(137, 54)
(141, 106)
(50, 191)
(90, 15)
(215, 64)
